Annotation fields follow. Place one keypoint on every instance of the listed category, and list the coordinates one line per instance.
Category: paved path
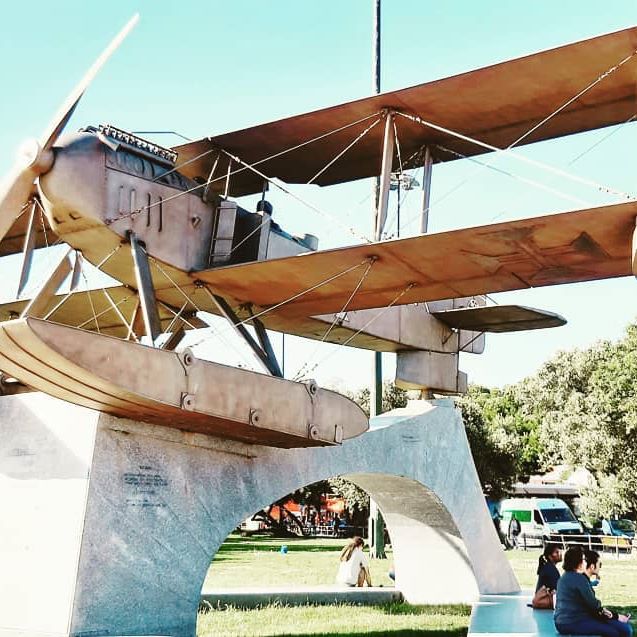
(318, 595)
(509, 616)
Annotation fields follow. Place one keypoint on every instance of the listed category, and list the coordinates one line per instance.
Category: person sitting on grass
(577, 610)
(547, 573)
(353, 569)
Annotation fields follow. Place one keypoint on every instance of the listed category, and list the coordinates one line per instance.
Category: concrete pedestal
(109, 526)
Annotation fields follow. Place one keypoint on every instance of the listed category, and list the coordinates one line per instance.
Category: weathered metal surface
(175, 390)
(430, 370)
(145, 288)
(265, 358)
(43, 297)
(564, 248)
(500, 318)
(497, 104)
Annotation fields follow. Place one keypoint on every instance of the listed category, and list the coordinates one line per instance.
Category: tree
(393, 397)
(354, 496)
(581, 408)
(501, 445)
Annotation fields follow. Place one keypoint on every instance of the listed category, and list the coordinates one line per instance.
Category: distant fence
(327, 530)
(615, 544)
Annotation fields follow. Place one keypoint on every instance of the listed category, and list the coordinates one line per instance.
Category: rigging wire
(367, 324)
(299, 199)
(90, 300)
(275, 155)
(108, 309)
(336, 158)
(299, 294)
(585, 152)
(247, 166)
(190, 300)
(238, 170)
(339, 155)
(601, 77)
(337, 317)
(524, 180)
(522, 158)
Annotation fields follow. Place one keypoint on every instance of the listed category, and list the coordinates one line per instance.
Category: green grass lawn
(258, 559)
(392, 620)
(258, 562)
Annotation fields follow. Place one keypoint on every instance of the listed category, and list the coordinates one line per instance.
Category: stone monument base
(109, 525)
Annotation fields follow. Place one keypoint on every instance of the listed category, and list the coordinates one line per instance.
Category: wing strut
(145, 289)
(27, 250)
(40, 302)
(263, 349)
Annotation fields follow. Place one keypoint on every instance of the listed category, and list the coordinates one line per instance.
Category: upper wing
(564, 248)
(496, 104)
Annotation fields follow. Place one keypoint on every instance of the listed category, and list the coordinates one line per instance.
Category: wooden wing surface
(497, 104)
(562, 248)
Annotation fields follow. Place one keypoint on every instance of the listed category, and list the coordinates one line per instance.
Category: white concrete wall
(160, 502)
(46, 448)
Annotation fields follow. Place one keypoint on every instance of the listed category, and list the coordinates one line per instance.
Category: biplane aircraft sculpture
(164, 224)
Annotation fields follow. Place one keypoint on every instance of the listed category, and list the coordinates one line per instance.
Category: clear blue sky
(206, 67)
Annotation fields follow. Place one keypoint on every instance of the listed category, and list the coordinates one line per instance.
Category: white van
(540, 517)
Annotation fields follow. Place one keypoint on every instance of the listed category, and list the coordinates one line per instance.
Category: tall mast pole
(376, 525)
(376, 394)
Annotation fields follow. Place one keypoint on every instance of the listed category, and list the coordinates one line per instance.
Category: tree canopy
(579, 409)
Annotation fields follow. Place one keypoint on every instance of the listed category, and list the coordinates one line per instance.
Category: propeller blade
(36, 158)
(62, 117)
(15, 191)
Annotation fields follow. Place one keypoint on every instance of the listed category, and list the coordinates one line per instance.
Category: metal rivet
(255, 417)
(187, 402)
(312, 387)
(187, 357)
(312, 432)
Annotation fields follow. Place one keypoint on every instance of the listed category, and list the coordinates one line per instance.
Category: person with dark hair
(593, 566)
(577, 610)
(547, 573)
(353, 569)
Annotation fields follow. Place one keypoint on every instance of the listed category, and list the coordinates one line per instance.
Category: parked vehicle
(540, 518)
(614, 535)
(621, 527)
(250, 526)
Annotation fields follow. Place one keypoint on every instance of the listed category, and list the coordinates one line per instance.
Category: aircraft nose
(72, 190)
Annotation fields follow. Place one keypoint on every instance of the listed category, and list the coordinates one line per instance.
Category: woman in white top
(353, 569)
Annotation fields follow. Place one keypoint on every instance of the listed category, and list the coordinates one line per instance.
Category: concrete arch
(157, 503)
